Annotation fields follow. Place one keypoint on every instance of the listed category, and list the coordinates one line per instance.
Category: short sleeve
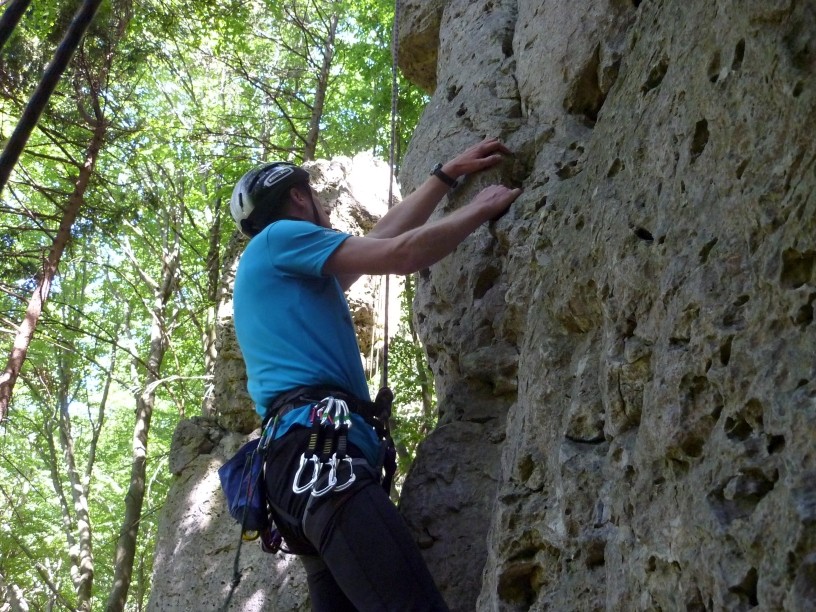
(301, 247)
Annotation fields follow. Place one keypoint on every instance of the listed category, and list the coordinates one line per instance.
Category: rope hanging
(391, 164)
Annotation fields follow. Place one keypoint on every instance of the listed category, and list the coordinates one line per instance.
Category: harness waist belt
(375, 413)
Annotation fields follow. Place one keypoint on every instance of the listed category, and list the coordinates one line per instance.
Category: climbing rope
(391, 164)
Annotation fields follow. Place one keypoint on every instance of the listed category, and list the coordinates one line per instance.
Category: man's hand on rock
(478, 157)
(495, 200)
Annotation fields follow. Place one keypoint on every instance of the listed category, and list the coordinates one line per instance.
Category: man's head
(262, 195)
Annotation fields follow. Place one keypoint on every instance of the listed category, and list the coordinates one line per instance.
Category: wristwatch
(438, 173)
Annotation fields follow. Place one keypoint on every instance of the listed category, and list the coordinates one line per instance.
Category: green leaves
(191, 95)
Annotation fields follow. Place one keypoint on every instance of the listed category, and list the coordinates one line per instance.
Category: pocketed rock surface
(626, 361)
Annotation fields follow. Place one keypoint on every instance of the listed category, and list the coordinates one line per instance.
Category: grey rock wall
(625, 362)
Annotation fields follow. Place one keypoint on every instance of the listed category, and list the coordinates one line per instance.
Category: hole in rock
(745, 422)
(644, 234)
(706, 250)
(695, 602)
(616, 167)
(525, 468)
(741, 168)
(725, 351)
(699, 140)
(738, 496)
(804, 316)
(776, 444)
(739, 55)
(518, 584)
(738, 429)
(714, 67)
(797, 268)
(656, 75)
(585, 97)
(486, 279)
(507, 44)
(569, 170)
(595, 554)
(747, 589)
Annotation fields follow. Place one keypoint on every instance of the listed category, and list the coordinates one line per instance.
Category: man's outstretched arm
(416, 208)
(420, 247)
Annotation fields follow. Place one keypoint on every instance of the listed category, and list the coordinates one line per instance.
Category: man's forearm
(413, 211)
(420, 247)
(425, 245)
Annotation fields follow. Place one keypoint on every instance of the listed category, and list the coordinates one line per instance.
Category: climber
(306, 377)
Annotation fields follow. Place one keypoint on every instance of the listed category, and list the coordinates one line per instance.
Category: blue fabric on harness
(243, 485)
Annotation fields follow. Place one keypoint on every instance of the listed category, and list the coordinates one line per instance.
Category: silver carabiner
(352, 476)
(331, 480)
(326, 412)
(342, 414)
(296, 486)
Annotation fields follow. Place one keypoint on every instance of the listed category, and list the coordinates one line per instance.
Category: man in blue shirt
(297, 338)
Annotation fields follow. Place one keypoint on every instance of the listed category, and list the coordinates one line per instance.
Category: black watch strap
(449, 181)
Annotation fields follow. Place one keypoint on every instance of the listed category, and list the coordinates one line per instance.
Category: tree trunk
(53, 465)
(39, 99)
(145, 400)
(25, 332)
(310, 145)
(11, 18)
(83, 582)
(14, 595)
(208, 408)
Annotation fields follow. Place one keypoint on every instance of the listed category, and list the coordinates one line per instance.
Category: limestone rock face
(419, 40)
(626, 361)
(197, 540)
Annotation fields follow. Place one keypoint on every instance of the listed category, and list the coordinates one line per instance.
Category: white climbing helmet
(259, 191)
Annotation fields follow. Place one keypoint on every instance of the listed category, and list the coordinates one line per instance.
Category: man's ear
(298, 199)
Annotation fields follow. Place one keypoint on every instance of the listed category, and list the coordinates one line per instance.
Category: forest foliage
(164, 105)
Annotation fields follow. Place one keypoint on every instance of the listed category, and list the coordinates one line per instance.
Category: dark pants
(357, 550)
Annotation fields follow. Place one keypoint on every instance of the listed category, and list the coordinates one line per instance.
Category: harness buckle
(301, 488)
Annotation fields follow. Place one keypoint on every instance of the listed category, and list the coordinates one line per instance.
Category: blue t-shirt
(293, 323)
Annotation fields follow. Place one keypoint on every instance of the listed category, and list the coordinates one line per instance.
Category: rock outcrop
(626, 361)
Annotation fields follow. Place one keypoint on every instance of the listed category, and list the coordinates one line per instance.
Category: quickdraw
(330, 419)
